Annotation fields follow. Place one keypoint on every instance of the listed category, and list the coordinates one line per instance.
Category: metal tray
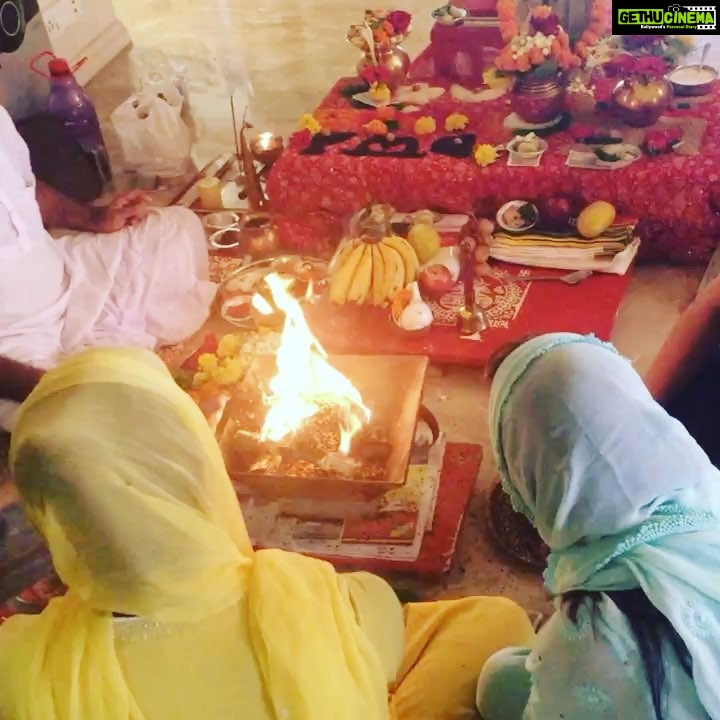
(246, 280)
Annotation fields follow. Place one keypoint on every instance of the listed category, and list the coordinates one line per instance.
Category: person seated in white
(130, 275)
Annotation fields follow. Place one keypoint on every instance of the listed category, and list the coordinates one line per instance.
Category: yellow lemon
(595, 219)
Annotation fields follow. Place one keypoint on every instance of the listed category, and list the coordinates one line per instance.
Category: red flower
(662, 141)
(400, 20)
(367, 75)
(382, 73)
(620, 66)
(546, 25)
(637, 42)
(650, 65)
(580, 132)
(372, 74)
(300, 140)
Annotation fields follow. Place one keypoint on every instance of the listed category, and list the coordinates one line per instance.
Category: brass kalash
(305, 425)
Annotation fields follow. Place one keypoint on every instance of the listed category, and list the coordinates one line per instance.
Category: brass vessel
(538, 100)
(639, 101)
(391, 57)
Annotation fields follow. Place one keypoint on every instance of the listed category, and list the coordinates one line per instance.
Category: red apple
(556, 212)
(435, 281)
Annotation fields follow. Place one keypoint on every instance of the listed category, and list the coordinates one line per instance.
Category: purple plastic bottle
(71, 104)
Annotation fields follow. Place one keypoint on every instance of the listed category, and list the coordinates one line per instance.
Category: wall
(73, 29)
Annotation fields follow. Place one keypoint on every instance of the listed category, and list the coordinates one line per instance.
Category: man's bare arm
(58, 211)
(695, 336)
(17, 380)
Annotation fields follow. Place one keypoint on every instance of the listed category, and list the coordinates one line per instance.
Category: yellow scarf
(122, 476)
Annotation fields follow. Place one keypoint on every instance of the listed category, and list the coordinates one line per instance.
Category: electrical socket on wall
(61, 16)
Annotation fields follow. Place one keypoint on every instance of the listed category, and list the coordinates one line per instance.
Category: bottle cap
(58, 66)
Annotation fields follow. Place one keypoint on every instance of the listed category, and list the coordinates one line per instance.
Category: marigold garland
(598, 27)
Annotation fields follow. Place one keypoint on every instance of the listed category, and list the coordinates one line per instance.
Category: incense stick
(235, 126)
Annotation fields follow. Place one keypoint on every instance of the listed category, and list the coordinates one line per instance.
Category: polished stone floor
(290, 52)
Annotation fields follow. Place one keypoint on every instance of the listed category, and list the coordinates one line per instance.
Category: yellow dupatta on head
(121, 474)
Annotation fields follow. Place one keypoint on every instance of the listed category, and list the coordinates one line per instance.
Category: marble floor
(282, 57)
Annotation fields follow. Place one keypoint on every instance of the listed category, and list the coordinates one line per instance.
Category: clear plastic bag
(155, 139)
(153, 70)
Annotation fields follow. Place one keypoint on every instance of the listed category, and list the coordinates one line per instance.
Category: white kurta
(143, 286)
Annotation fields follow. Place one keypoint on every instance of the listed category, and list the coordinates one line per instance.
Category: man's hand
(124, 211)
(17, 380)
(58, 211)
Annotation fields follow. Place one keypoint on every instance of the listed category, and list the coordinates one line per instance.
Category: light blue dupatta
(619, 491)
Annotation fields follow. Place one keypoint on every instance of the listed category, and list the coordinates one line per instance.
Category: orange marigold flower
(536, 56)
(339, 119)
(542, 11)
(375, 127)
(523, 63)
(506, 8)
(386, 113)
(505, 62)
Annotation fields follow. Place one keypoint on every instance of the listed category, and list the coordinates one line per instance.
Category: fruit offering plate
(514, 308)
(234, 301)
(626, 155)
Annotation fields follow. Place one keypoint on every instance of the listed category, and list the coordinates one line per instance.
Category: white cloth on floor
(143, 286)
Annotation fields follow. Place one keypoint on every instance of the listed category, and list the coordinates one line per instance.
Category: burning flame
(261, 305)
(305, 381)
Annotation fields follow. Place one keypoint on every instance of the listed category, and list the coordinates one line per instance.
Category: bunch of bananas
(371, 272)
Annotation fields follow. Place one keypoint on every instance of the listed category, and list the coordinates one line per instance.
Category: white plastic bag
(154, 138)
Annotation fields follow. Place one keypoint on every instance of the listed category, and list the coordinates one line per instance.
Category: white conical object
(417, 315)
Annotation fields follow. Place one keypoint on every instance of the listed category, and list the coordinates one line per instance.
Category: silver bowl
(697, 89)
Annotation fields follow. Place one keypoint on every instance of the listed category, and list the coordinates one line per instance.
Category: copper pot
(538, 100)
(259, 235)
(391, 57)
(639, 101)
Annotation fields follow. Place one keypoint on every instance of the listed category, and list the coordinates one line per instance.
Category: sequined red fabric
(674, 195)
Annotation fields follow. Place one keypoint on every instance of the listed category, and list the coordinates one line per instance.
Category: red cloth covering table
(671, 193)
(514, 310)
(461, 52)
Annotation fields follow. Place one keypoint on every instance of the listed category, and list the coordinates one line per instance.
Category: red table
(538, 308)
(514, 310)
(670, 193)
